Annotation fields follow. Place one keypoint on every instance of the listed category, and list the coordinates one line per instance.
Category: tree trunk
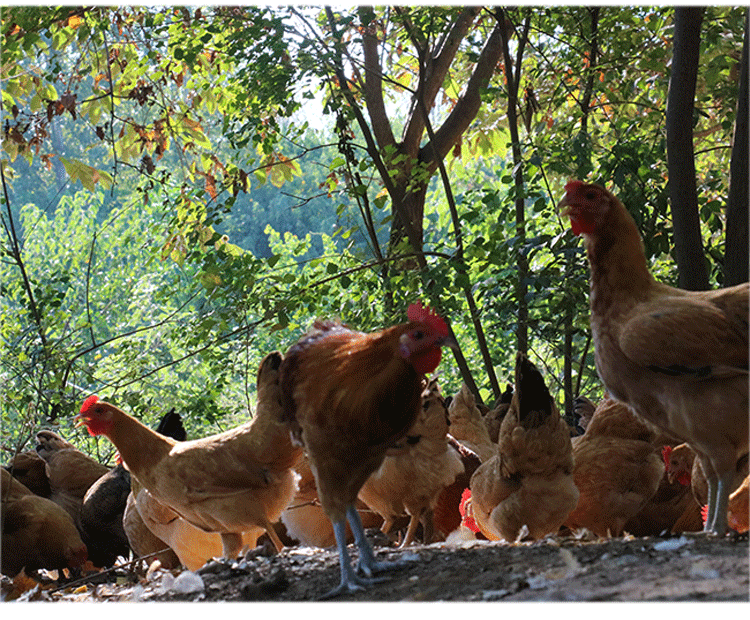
(683, 198)
(583, 167)
(736, 255)
(513, 80)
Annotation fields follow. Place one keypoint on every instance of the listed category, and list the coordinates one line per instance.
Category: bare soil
(685, 568)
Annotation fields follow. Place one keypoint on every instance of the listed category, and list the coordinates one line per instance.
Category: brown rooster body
(529, 481)
(228, 483)
(349, 397)
(678, 358)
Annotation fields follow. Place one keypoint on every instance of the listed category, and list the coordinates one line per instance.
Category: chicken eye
(590, 195)
(417, 334)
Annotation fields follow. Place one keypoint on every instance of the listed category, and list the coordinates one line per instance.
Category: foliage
(178, 205)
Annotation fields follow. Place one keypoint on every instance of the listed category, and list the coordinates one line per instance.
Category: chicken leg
(367, 564)
(231, 543)
(719, 488)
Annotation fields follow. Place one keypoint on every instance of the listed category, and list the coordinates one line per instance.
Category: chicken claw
(350, 581)
(367, 563)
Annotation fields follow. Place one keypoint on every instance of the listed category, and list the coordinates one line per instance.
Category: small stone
(188, 583)
(494, 595)
(671, 544)
(701, 570)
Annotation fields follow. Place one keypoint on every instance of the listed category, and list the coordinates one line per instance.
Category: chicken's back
(615, 477)
(529, 481)
(37, 533)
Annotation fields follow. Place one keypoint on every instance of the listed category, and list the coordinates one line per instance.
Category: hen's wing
(693, 335)
(205, 474)
(489, 487)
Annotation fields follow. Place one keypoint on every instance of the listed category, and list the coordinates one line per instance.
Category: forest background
(186, 189)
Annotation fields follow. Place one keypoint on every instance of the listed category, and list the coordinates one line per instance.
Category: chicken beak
(79, 420)
(450, 342)
(564, 207)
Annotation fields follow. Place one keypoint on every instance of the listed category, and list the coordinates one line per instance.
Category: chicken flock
(351, 431)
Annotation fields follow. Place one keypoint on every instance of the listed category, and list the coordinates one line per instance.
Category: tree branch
(381, 126)
(372, 147)
(15, 252)
(432, 79)
(466, 108)
(473, 310)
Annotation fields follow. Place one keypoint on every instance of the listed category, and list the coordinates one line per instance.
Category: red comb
(704, 514)
(89, 402)
(467, 521)
(573, 185)
(418, 313)
(666, 452)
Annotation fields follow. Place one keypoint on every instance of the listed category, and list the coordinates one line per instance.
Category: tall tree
(407, 164)
(736, 255)
(682, 184)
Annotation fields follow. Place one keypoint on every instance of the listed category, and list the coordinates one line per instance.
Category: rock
(188, 583)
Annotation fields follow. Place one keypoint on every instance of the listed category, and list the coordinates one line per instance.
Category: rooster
(348, 398)
(230, 483)
(678, 358)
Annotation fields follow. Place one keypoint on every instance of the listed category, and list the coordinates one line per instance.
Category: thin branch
(16, 253)
(112, 111)
(473, 310)
(88, 282)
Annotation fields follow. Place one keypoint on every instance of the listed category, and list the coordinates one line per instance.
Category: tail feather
(534, 400)
(170, 425)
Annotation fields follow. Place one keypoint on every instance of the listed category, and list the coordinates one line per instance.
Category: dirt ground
(685, 568)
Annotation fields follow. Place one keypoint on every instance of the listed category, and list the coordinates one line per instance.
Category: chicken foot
(367, 563)
(350, 581)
